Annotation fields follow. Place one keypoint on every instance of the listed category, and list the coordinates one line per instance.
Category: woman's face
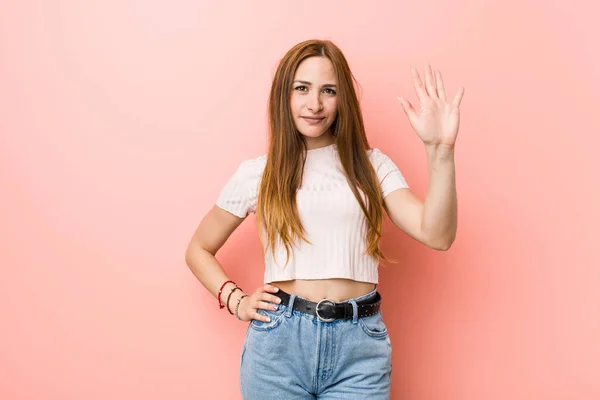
(313, 101)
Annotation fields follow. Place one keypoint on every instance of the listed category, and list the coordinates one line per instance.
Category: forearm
(211, 274)
(440, 210)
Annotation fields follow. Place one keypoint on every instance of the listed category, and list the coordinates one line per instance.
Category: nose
(314, 103)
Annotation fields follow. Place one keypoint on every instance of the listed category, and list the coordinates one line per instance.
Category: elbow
(194, 252)
(441, 244)
(191, 254)
(188, 256)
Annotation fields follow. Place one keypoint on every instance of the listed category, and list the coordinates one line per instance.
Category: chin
(313, 133)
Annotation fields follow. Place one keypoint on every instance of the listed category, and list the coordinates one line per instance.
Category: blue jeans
(298, 356)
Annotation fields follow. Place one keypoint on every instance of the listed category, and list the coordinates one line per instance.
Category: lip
(313, 119)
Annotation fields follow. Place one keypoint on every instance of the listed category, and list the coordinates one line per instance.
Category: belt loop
(354, 311)
(290, 306)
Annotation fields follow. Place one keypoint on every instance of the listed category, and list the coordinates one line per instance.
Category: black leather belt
(328, 310)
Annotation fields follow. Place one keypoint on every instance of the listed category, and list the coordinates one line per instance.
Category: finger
(408, 108)
(270, 288)
(265, 305)
(270, 298)
(458, 97)
(251, 309)
(419, 88)
(439, 81)
(261, 317)
(429, 82)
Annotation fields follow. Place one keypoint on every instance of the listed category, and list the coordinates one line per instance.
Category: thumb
(408, 108)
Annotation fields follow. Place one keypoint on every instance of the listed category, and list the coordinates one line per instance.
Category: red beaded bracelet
(220, 291)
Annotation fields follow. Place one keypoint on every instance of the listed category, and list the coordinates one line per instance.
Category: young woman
(316, 327)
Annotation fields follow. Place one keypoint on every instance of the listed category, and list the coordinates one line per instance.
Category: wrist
(235, 296)
(238, 304)
(231, 293)
(223, 291)
(440, 152)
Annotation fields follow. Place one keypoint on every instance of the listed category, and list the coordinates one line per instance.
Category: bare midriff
(318, 289)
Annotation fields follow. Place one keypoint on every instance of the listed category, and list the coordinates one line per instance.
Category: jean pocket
(276, 317)
(374, 326)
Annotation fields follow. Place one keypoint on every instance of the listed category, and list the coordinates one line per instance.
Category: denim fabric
(298, 356)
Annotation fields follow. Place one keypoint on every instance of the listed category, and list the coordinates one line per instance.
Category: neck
(315, 143)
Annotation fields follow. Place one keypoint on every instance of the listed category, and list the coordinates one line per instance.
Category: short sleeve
(390, 177)
(239, 194)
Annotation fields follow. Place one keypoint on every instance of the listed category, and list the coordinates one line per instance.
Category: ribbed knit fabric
(334, 222)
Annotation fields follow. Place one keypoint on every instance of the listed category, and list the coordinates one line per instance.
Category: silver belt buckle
(317, 310)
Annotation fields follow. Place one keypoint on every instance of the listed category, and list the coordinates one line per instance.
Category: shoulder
(390, 176)
(238, 196)
(252, 167)
(377, 157)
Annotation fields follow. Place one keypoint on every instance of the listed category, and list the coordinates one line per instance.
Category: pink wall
(120, 121)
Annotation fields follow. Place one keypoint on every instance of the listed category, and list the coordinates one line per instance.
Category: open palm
(436, 120)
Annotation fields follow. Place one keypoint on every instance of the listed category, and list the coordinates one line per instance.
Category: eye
(301, 88)
(330, 91)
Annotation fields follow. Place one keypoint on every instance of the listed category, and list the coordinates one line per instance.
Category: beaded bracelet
(237, 306)
(229, 297)
(221, 290)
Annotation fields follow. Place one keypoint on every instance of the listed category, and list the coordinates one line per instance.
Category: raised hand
(436, 120)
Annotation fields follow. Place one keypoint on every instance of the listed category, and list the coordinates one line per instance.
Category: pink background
(120, 122)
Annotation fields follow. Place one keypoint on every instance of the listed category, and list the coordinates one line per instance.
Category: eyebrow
(309, 84)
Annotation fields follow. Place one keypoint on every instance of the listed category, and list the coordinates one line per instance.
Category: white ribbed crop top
(329, 212)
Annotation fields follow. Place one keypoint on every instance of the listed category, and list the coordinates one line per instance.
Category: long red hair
(276, 205)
